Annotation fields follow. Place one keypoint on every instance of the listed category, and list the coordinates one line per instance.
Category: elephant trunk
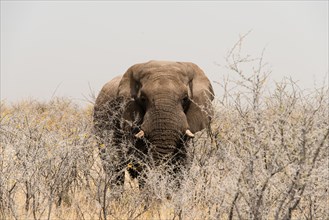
(164, 128)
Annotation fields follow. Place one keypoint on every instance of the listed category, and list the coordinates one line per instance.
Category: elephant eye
(185, 102)
(142, 100)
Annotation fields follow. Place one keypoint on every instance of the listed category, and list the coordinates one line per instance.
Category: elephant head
(168, 100)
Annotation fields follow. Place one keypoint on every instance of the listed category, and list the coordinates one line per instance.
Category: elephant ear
(200, 110)
(128, 89)
(129, 84)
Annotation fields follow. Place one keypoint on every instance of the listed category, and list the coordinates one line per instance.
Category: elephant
(154, 108)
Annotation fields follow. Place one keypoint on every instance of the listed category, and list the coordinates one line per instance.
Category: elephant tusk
(189, 133)
(140, 134)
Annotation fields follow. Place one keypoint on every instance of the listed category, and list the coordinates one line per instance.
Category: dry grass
(265, 157)
(271, 162)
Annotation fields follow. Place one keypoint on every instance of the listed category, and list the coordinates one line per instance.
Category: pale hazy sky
(74, 44)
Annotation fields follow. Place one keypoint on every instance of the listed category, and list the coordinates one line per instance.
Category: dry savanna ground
(265, 157)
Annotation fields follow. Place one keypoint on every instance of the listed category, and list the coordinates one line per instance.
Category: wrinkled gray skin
(157, 106)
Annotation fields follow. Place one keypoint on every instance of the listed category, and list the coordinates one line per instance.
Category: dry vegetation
(266, 157)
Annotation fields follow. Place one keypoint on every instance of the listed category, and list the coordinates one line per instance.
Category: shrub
(265, 157)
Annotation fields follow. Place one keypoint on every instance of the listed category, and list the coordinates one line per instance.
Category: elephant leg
(142, 180)
(114, 166)
(136, 171)
(119, 175)
(136, 167)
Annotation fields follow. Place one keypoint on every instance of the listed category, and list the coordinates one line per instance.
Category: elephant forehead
(164, 76)
(164, 84)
